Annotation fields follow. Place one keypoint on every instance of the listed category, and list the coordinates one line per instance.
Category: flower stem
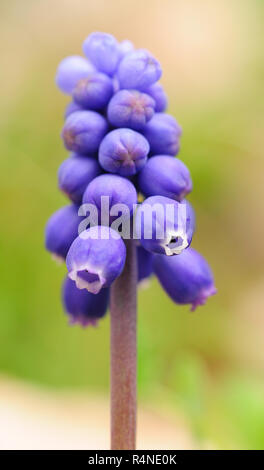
(124, 354)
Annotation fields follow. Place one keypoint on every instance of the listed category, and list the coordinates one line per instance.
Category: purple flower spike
(70, 71)
(115, 190)
(83, 307)
(138, 70)
(165, 176)
(145, 264)
(103, 51)
(72, 107)
(61, 230)
(125, 47)
(96, 258)
(165, 226)
(186, 278)
(123, 151)
(94, 91)
(130, 108)
(75, 174)
(158, 94)
(83, 131)
(163, 134)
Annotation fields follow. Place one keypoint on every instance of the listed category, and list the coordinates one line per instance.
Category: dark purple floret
(83, 131)
(75, 174)
(164, 225)
(166, 176)
(138, 70)
(163, 134)
(125, 47)
(61, 230)
(123, 151)
(103, 51)
(94, 91)
(96, 258)
(72, 107)
(81, 306)
(114, 190)
(157, 92)
(186, 278)
(130, 108)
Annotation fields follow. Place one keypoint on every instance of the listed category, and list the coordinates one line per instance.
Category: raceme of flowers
(122, 145)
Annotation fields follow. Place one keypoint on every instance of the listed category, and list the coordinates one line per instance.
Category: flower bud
(138, 70)
(157, 92)
(130, 108)
(102, 50)
(115, 190)
(123, 151)
(61, 230)
(83, 307)
(163, 134)
(166, 176)
(72, 107)
(186, 278)
(125, 47)
(94, 91)
(96, 258)
(164, 226)
(145, 263)
(75, 173)
(83, 131)
(70, 71)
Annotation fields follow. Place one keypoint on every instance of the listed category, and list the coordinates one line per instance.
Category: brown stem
(124, 354)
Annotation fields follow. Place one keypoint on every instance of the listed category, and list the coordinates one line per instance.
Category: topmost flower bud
(103, 51)
(125, 47)
(138, 70)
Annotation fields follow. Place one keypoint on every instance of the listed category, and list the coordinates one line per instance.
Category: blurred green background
(208, 366)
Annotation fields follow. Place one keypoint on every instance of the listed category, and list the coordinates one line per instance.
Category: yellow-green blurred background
(207, 367)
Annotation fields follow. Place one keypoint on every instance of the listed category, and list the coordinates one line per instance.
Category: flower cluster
(123, 146)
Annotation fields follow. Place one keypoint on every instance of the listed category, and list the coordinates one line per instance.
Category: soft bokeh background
(204, 370)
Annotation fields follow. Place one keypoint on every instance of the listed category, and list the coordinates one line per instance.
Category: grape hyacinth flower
(138, 70)
(83, 131)
(158, 94)
(61, 231)
(70, 71)
(164, 225)
(82, 307)
(123, 151)
(130, 108)
(103, 51)
(165, 176)
(116, 191)
(94, 91)
(96, 258)
(129, 218)
(75, 173)
(72, 107)
(186, 278)
(125, 47)
(163, 134)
